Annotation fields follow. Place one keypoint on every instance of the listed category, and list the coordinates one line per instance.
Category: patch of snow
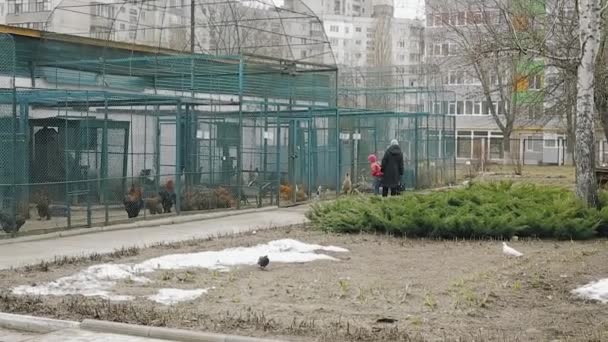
(93, 281)
(98, 280)
(283, 251)
(174, 296)
(597, 290)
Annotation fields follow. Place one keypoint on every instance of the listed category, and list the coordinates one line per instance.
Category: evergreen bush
(485, 210)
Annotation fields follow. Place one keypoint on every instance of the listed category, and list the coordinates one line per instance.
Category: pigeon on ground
(263, 261)
(510, 251)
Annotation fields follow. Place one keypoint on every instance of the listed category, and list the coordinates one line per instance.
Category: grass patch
(487, 210)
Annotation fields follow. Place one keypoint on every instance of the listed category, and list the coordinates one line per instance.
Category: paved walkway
(23, 253)
(15, 336)
(77, 335)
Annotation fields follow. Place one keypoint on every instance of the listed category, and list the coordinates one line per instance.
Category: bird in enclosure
(133, 202)
(11, 224)
(153, 204)
(263, 261)
(168, 197)
(43, 205)
(319, 194)
(347, 185)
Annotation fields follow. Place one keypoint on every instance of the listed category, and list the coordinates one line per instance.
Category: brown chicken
(43, 205)
(133, 201)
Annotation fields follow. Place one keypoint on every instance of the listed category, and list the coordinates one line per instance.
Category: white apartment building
(354, 40)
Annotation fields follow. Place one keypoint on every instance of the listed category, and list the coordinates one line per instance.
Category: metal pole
(192, 34)
(416, 151)
(104, 163)
(239, 152)
(178, 158)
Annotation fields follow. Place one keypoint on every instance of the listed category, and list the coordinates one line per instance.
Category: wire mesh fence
(106, 136)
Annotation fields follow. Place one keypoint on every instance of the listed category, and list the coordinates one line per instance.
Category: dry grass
(541, 175)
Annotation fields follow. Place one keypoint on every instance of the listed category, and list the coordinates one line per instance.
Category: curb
(163, 333)
(34, 324)
(138, 224)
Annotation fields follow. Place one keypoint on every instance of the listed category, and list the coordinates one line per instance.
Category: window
(122, 27)
(132, 31)
(459, 108)
(334, 28)
(496, 150)
(477, 108)
(521, 83)
(437, 50)
(454, 18)
(468, 107)
(456, 77)
(461, 18)
(429, 20)
(357, 29)
(445, 49)
(401, 44)
(436, 107)
(535, 111)
(401, 58)
(474, 18)
(550, 143)
(463, 144)
(24, 6)
(535, 82)
(494, 79)
(303, 54)
(358, 42)
(346, 29)
(445, 18)
(31, 25)
(452, 108)
(457, 18)
(487, 110)
(534, 144)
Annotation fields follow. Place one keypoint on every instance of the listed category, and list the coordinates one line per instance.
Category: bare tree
(475, 31)
(589, 30)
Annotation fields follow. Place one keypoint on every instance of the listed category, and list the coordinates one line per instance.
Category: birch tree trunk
(589, 29)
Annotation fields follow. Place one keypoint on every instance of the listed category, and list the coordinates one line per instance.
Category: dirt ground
(384, 288)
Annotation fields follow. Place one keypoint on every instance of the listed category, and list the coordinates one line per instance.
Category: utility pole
(192, 26)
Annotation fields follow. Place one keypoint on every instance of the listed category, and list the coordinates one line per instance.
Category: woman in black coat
(392, 169)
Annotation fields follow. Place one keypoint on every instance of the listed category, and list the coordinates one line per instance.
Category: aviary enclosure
(132, 108)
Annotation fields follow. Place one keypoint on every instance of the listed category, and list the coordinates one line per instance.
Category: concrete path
(15, 336)
(77, 335)
(30, 252)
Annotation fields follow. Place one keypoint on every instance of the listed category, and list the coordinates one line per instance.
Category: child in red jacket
(376, 173)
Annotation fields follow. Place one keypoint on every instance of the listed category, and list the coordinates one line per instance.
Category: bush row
(488, 210)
